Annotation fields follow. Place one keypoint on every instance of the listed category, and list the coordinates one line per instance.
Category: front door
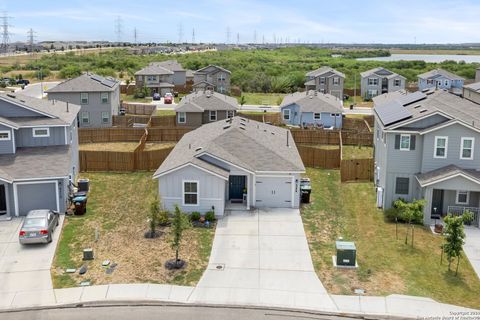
(3, 200)
(237, 184)
(437, 203)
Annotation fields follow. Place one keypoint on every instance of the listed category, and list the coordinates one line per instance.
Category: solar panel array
(105, 81)
(392, 112)
(411, 98)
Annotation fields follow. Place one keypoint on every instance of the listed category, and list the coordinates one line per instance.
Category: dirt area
(124, 146)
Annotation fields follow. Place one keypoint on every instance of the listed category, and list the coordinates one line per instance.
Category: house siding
(426, 123)
(364, 86)
(8, 110)
(472, 95)
(24, 137)
(7, 146)
(439, 82)
(194, 119)
(299, 118)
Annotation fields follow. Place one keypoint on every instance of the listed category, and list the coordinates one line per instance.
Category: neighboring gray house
(98, 96)
(440, 79)
(38, 154)
(472, 92)
(312, 108)
(379, 81)
(477, 75)
(213, 78)
(203, 107)
(155, 78)
(427, 147)
(234, 164)
(326, 80)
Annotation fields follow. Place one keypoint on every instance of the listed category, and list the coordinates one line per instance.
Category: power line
(5, 32)
(180, 33)
(193, 35)
(255, 36)
(135, 35)
(238, 38)
(31, 39)
(119, 28)
(228, 35)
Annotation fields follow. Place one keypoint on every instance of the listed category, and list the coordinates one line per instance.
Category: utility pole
(228, 35)
(118, 28)
(31, 39)
(5, 32)
(135, 35)
(193, 35)
(180, 33)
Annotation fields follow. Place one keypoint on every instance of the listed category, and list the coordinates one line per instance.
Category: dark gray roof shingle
(86, 82)
(445, 173)
(206, 100)
(439, 72)
(313, 101)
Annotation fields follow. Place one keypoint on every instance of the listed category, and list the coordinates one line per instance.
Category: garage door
(274, 192)
(36, 196)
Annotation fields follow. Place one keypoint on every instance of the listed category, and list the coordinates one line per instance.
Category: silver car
(38, 226)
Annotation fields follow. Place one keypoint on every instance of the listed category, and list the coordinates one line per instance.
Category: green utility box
(346, 254)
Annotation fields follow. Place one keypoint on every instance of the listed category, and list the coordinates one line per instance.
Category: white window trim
(319, 116)
(322, 80)
(408, 191)
(108, 117)
(436, 146)
(285, 111)
(81, 99)
(373, 81)
(198, 193)
(446, 82)
(461, 148)
(101, 97)
(184, 117)
(397, 81)
(462, 191)
(9, 136)
(82, 117)
(409, 142)
(228, 112)
(336, 81)
(335, 115)
(35, 135)
(210, 113)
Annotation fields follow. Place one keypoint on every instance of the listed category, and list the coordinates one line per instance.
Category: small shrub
(210, 216)
(163, 218)
(195, 216)
(391, 214)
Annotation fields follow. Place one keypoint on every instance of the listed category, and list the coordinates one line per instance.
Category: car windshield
(34, 222)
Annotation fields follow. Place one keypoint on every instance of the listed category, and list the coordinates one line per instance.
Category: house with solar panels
(99, 98)
(427, 147)
(378, 81)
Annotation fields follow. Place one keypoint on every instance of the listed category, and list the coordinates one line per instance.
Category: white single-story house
(232, 164)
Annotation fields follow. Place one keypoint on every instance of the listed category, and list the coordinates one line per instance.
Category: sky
(338, 21)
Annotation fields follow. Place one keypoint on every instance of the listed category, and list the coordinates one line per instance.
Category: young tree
(455, 236)
(243, 100)
(410, 212)
(180, 223)
(153, 218)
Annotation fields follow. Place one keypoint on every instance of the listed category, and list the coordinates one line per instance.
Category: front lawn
(356, 152)
(386, 265)
(117, 212)
(164, 113)
(266, 99)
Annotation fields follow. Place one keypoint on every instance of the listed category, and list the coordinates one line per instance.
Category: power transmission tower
(193, 35)
(255, 36)
(5, 32)
(228, 35)
(119, 28)
(238, 38)
(135, 35)
(31, 39)
(263, 39)
(180, 33)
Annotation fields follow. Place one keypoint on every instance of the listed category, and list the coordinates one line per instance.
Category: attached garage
(35, 195)
(274, 192)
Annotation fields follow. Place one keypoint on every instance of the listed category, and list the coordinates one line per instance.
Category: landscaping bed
(114, 227)
(386, 265)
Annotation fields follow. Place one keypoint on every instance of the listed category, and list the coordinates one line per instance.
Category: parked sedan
(157, 96)
(38, 226)
(168, 99)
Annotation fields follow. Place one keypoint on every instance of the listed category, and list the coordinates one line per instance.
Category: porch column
(427, 210)
(248, 191)
(254, 189)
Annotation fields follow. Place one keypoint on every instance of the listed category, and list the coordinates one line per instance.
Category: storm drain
(220, 267)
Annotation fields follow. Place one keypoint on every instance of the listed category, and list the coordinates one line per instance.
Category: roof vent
(226, 127)
(242, 124)
(273, 133)
(423, 110)
(198, 149)
(11, 95)
(242, 128)
(417, 106)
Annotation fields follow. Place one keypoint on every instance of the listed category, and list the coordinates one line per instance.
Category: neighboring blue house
(440, 79)
(312, 108)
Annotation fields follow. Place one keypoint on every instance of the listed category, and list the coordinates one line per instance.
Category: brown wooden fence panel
(95, 135)
(356, 124)
(138, 108)
(357, 170)
(163, 121)
(167, 134)
(370, 120)
(129, 120)
(315, 136)
(357, 138)
(273, 118)
(150, 160)
(320, 158)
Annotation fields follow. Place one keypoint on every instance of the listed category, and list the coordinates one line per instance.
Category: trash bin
(83, 185)
(80, 203)
(351, 106)
(305, 190)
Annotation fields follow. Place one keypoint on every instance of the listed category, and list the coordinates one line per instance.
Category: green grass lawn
(131, 98)
(386, 265)
(355, 152)
(117, 211)
(270, 99)
(164, 113)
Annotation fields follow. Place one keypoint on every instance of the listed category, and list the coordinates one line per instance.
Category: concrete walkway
(472, 247)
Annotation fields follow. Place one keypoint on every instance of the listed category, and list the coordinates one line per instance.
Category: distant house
(312, 108)
(379, 81)
(98, 96)
(212, 78)
(232, 164)
(156, 78)
(477, 75)
(203, 107)
(472, 92)
(38, 154)
(440, 79)
(326, 80)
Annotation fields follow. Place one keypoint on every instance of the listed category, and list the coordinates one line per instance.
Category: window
(336, 80)
(182, 117)
(104, 97)
(446, 83)
(372, 81)
(5, 135)
(317, 116)
(372, 93)
(230, 114)
(105, 117)
(286, 114)
(397, 82)
(190, 193)
(463, 197)
(333, 115)
(221, 89)
(404, 142)
(439, 83)
(85, 116)
(401, 185)
(441, 145)
(84, 98)
(221, 77)
(213, 115)
(41, 132)
(430, 81)
(322, 80)
(466, 151)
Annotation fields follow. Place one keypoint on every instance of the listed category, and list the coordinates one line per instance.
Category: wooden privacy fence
(356, 124)
(138, 108)
(96, 135)
(357, 138)
(320, 158)
(156, 121)
(315, 136)
(273, 118)
(357, 170)
(122, 161)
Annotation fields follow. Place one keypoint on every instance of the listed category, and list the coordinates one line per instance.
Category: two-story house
(427, 147)
(38, 154)
(213, 78)
(472, 92)
(155, 78)
(440, 79)
(99, 98)
(312, 108)
(203, 107)
(326, 80)
(379, 81)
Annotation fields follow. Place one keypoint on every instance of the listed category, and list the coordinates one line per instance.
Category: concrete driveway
(472, 247)
(24, 268)
(262, 258)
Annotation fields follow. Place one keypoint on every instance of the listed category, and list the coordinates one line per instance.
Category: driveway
(37, 90)
(472, 247)
(23, 268)
(262, 258)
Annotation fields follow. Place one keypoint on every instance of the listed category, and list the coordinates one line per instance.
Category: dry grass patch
(124, 146)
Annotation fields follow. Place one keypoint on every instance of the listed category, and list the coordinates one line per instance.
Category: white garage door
(36, 196)
(274, 192)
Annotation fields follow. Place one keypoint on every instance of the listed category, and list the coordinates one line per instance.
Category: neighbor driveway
(24, 269)
(262, 258)
(472, 247)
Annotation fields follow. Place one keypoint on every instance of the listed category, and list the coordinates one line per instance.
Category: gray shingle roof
(439, 72)
(211, 68)
(206, 100)
(34, 163)
(153, 70)
(323, 70)
(249, 144)
(313, 101)
(473, 86)
(189, 73)
(445, 173)
(86, 82)
(171, 65)
(381, 72)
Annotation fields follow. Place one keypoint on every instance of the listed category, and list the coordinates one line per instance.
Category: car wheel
(58, 222)
(49, 239)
